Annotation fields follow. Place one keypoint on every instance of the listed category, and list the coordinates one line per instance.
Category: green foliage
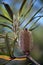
(11, 41)
(8, 10)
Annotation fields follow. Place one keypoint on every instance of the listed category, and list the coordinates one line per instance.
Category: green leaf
(24, 1)
(33, 16)
(35, 22)
(8, 10)
(15, 40)
(6, 25)
(5, 17)
(4, 12)
(8, 45)
(38, 16)
(2, 36)
(34, 27)
(31, 5)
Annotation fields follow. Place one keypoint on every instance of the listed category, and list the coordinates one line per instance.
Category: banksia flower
(25, 41)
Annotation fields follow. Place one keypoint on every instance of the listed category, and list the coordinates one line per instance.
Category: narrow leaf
(5, 25)
(38, 16)
(8, 10)
(5, 17)
(34, 27)
(4, 12)
(24, 1)
(3, 36)
(31, 5)
(2, 50)
(33, 16)
(14, 45)
(8, 45)
(35, 22)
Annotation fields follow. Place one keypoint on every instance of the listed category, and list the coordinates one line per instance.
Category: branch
(7, 58)
(31, 59)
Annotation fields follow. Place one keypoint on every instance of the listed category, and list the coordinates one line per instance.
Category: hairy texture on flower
(25, 40)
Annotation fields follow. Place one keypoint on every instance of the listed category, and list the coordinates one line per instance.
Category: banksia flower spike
(25, 41)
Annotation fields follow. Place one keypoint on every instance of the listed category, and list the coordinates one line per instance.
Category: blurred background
(37, 52)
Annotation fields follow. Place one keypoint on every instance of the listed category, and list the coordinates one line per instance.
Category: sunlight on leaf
(24, 1)
(8, 10)
(5, 17)
(5, 13)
